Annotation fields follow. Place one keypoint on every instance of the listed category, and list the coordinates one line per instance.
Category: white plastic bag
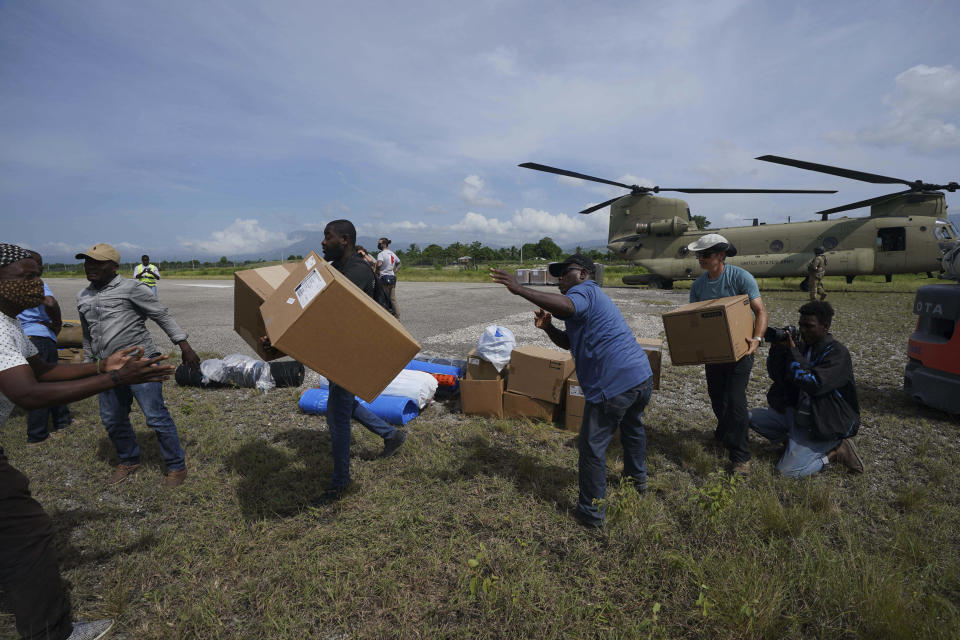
(496, 344)
(419, 386)
(240, 370)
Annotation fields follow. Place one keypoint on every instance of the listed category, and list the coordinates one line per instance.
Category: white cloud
(407, 225)
(471, 192)
(502, 59)
(924, 112)
(243, 236)
(527, 224)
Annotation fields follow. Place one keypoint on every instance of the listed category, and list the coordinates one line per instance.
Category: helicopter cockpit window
(776, 245)
(892, 239)
(830, 243)
(942, 232)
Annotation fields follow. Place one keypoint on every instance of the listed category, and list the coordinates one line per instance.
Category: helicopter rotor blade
(836, 171)
(601, 205)
(657, 189)
(864, 203)
(573, 174)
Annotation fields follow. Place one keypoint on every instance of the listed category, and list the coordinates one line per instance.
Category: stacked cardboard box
(481, 389)
(574, 400)
(535, 386)
(318, 316)
(709, 331)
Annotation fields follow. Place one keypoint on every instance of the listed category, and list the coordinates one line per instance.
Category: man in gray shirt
(113, 314)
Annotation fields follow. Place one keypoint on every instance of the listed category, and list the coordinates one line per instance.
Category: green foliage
(715, 495)
(701, 221)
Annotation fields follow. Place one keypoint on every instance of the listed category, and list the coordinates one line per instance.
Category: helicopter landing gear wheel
(850, 279)
(657, 282)
(804, 285)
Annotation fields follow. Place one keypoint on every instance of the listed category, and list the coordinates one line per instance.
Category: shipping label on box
(539, 372)
(575, 404)
(653, 347)
(320, 318)
(516, 405)
(709, 331)
(482, 397)
(251, 288)
(480, 369)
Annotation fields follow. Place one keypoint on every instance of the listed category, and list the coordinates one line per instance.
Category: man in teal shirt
(727, 381)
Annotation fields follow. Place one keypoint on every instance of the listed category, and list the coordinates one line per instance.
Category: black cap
(557, 269)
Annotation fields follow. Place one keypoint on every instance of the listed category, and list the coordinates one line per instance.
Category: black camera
(781, 334)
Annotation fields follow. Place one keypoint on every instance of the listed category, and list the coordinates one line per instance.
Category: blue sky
(223, 128)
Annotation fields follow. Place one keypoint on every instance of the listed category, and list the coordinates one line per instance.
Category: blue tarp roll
(432, 367)
(393, 409)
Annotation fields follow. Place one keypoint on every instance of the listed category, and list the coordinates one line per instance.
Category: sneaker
(586, 521)
(846, 453)
(328, 497)
(122, 472)
(391, 445)
(174, 478)
(90, 630)
(741, 468)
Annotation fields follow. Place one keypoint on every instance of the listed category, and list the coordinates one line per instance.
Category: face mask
(22, 294)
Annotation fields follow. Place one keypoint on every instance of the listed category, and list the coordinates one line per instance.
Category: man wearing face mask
(612, 368)
(29, 577)
(113, 314)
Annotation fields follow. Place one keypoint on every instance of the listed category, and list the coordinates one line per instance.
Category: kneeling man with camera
(813, 398)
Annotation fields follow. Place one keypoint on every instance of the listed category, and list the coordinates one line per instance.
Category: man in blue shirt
(41, 324)
(727, 381)
(612, 368)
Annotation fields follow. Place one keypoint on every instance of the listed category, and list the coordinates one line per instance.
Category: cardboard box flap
(250, 288)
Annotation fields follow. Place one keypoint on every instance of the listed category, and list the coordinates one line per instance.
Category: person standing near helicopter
(727, 381)
(815, 270)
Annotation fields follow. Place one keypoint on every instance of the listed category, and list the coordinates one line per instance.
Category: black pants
(727, 387)
(38, 419)
(29, 577)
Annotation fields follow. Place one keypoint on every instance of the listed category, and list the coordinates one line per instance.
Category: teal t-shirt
(733, 281)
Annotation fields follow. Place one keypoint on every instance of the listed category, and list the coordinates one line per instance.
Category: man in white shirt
(387, 266)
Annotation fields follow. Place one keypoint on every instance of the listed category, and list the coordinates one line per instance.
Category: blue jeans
(600, 421)
(153, 288)
(38, 419)
(115, 412)
(804, 455)
(341, 406)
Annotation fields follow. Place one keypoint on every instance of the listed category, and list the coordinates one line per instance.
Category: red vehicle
(932, 376)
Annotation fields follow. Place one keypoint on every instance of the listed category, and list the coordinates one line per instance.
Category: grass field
(467, 532)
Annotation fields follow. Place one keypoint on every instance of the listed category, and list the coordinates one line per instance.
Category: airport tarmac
(446, 318)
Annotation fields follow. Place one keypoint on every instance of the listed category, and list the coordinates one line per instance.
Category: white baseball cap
(713, 241)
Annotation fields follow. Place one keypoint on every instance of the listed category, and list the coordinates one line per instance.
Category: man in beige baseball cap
(113, 311)
(101, 252)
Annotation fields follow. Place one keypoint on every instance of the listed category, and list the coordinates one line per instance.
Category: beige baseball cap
(100, 251)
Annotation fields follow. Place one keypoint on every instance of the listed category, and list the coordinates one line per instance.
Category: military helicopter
(906, 232)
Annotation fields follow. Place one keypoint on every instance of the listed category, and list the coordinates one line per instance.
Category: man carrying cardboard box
(727, 381)
(339, 248)
(612, 368)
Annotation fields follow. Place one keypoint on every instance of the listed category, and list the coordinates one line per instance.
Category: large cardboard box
(482, 397)
(539, 372)
(575, 404)
(320, 318)
(251, 288)
(709, 331)
(516, 405)
(654, 350)
(480, 369)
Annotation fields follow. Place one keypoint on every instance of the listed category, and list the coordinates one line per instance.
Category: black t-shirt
(359, 272)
